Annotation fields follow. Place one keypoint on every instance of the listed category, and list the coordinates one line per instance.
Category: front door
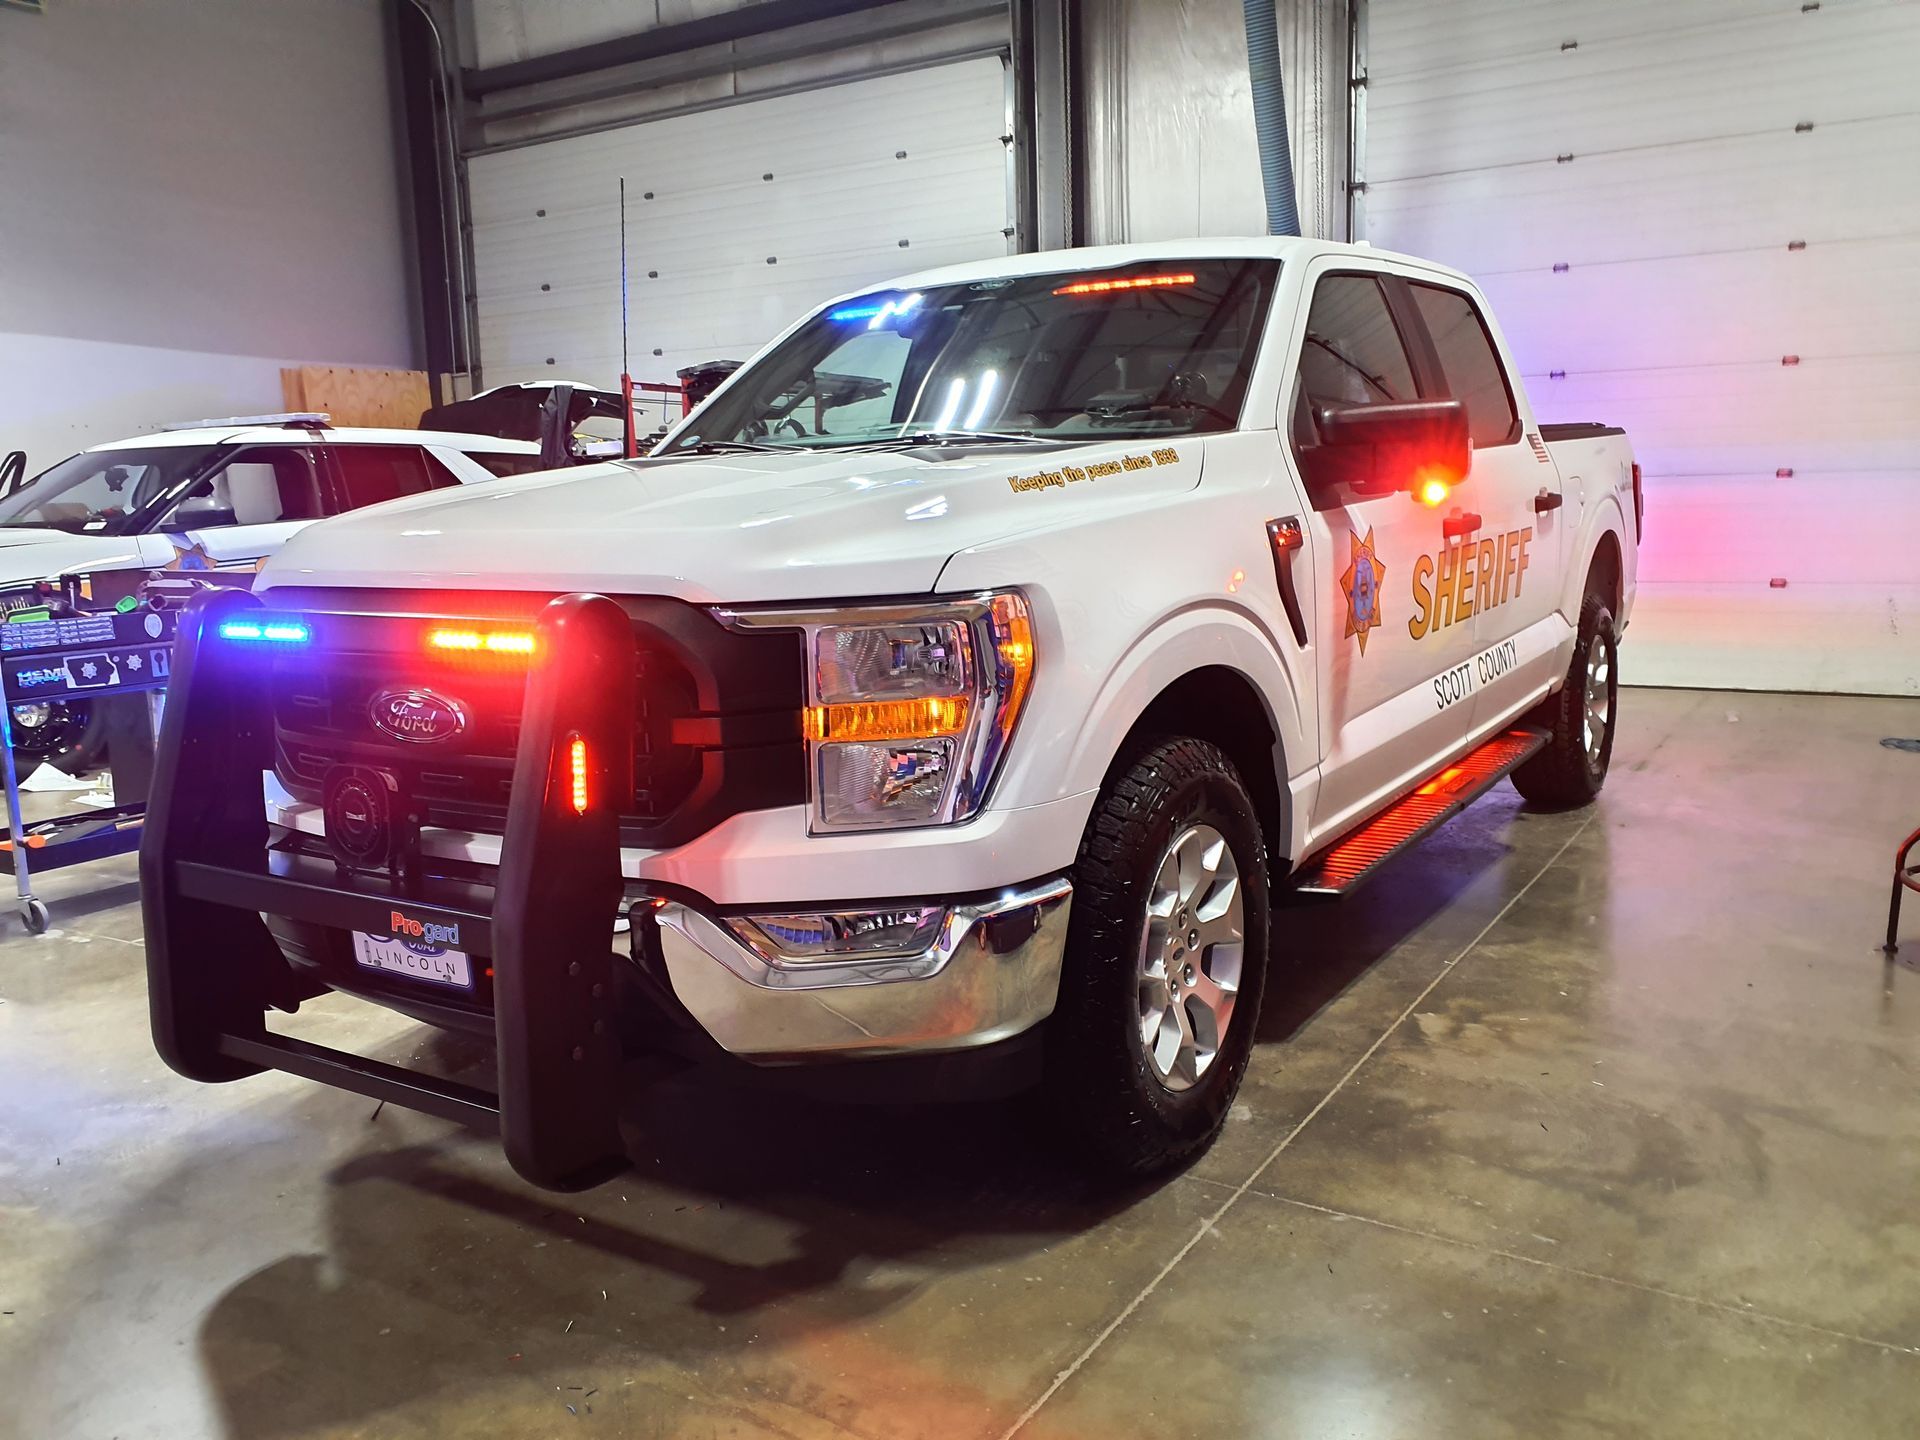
(1390, 701)
(1504, 568)
(243, 511)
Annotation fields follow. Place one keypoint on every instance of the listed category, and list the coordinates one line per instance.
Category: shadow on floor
(749, 1213)
(749, 1216)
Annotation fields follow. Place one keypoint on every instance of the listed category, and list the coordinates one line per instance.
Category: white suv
(218, 495)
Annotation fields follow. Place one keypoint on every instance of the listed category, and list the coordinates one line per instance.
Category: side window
(1470, 363)
(368, 474)
(256, 487)
(1353, 354)
(503, 464)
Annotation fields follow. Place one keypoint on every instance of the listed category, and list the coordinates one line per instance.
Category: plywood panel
(356, 395)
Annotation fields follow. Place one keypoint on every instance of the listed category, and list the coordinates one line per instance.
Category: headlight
(910, 707)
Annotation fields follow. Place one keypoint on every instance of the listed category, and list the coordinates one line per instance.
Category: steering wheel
(1188, 390)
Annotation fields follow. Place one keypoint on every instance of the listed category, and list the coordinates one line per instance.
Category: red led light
(1130, 282)
(577, 764)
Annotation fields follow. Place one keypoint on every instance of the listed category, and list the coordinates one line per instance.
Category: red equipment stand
(669, 395)
(1905, 877)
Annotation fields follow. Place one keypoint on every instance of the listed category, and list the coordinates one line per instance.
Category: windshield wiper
(961, 437)
(730, 447)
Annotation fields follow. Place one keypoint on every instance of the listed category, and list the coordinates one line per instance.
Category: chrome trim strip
(722, 944)
(995, 973)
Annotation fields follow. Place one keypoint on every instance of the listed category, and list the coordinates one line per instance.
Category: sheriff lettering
(1473, 575)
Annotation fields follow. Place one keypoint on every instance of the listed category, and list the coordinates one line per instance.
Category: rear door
(1502, 571)
(1387, 713)
(362, 475)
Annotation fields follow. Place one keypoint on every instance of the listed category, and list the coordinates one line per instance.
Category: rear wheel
(1166, 961)
(1580, 718)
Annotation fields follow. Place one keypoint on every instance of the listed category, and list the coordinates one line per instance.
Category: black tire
(1570, 771)
(1102, 1081)
(73, 737)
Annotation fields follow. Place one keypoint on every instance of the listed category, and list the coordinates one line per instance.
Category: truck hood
(28, 553)
(733, 529)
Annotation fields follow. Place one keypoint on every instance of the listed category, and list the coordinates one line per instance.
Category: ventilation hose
(1270, 116)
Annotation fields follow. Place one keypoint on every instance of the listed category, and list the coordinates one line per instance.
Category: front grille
(716, 716)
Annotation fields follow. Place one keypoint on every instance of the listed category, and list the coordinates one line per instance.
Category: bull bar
(544, 924)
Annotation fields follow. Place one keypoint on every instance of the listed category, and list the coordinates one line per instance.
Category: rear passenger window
(504, 464)
(368, 474)
(1472, 368)
(1353, 353)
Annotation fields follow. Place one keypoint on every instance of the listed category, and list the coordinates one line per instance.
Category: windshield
(1142, 351)
(100, 492)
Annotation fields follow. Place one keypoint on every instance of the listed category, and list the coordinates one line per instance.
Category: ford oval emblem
(419, 717)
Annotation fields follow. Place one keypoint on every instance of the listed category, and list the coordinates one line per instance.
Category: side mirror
(1398, 445)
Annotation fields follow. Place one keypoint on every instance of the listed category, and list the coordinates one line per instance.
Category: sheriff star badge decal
(1362, 584)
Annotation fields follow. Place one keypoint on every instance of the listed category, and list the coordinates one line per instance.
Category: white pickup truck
(950, 696)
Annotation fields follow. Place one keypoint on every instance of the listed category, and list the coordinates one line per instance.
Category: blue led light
(894, 307)
(277, 630)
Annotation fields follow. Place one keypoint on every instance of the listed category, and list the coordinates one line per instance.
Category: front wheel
(70, 735)
(1166, 961)
(1579, 717)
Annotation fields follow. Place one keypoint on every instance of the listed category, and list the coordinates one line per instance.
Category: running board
(1355, 856)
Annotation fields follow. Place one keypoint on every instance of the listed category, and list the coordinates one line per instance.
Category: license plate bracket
(434, 965)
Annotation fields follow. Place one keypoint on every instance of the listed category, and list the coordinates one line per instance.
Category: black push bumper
(545, 927)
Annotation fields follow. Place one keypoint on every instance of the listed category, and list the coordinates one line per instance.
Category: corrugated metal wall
(1170, 144)
(1701, 221)
(739, 219)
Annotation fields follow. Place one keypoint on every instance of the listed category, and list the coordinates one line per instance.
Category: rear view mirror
(1398, 445)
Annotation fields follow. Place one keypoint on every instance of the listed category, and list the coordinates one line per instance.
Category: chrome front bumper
(994, 972)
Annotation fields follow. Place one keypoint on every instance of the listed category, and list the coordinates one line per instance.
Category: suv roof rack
(293, 420)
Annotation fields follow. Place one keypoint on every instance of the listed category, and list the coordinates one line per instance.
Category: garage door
(738, 220)
(1700, 221)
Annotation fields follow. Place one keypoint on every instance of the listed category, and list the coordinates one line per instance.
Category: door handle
(1547, 500)
(1460, 523)
(1285, 536)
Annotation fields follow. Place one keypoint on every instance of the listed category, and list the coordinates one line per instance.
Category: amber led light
(922, 719)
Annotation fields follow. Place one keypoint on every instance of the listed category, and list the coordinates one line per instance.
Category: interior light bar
(1128, 282)
(877, 312)
(481, 642)
(277, 629)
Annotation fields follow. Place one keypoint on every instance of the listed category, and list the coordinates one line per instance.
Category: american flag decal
(1539, 449)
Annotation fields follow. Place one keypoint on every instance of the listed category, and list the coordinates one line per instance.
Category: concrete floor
(1592, 1124)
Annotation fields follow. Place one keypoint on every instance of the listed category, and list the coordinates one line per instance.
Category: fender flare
(1606, 517)
(1199, 637)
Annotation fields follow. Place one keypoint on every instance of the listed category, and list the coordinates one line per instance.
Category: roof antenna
(630, 445)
